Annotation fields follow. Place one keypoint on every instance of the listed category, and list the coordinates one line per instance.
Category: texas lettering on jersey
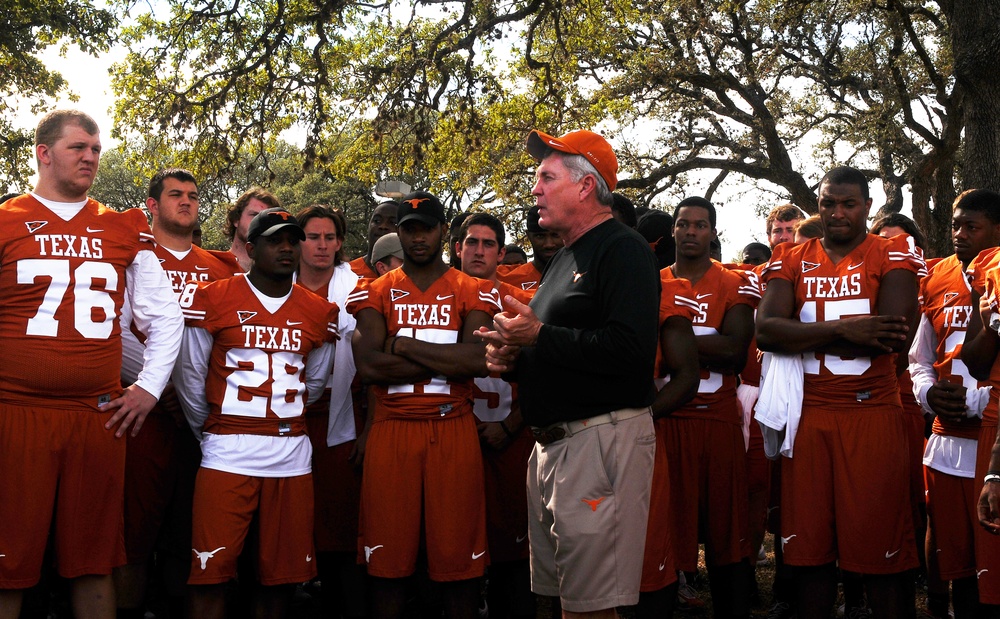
(947, 304)
(256, 375)
(198, 266)
(63, 287)
(828, 291)
(435, 315)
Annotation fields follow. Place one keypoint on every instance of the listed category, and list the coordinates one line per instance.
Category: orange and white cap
(586, 143)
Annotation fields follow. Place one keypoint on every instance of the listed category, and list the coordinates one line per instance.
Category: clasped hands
(513, 328)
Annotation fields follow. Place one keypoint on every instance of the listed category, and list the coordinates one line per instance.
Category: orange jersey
(63, 287)
(494, 397)
(524, 276)
(752, 370)
(715, 293)
(984, 278)
(947, 304)
(436, 315)
(986, 261)
(256, 374)
(676, 299)
(361, 268)
(827, 291)
(199, 265)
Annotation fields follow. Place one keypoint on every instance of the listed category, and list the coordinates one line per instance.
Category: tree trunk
(975, 41)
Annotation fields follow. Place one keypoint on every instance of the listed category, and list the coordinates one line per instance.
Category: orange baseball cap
(587, 143)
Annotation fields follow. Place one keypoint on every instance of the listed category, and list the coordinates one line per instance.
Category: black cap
(422, 206)
(269, 221)
(533, 226)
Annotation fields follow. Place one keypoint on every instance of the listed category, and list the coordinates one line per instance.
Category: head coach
(582, 354)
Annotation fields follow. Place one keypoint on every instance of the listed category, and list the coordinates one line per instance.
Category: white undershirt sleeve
(923, 354)
(156, 313)
(189, 376)
(319, 364)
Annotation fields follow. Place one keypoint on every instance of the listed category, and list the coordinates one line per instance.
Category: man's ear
(587, 186)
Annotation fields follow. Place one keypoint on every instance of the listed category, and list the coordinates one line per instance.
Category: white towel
(747, 395)
(340, 426)
(779, 406)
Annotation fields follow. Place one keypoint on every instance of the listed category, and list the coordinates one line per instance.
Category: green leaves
(29, 27)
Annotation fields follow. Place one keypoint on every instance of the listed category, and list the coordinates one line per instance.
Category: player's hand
(501, 358)
(518, 325)
(947, 400)
(130, 410)
(875, 331)
(490, 433)
(989, 507)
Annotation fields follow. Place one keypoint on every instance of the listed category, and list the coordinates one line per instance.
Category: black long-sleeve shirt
(599, 301)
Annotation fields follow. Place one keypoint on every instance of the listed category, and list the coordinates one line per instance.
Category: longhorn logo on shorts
(369, 550)
(785, 540)
(205, 556)
(415, 202)
(593, 503)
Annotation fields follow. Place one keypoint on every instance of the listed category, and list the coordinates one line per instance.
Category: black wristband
(506, 430)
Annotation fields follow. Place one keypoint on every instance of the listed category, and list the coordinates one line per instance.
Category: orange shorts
(337, 487)
(423, 475)
(157, 462)
(64, 465)
(913, 416)
(507, 498)
(707, 466)
(774, 497)
(758, 466)
(845, 495)
(224, 505)
(987, 544)
(952, 521)
(658, 561)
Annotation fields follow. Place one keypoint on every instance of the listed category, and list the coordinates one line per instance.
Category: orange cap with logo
(586, 143)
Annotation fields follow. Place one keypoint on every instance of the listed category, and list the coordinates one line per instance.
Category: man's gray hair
(579, 166)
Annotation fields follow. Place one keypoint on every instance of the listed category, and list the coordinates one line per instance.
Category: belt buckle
(550, 435)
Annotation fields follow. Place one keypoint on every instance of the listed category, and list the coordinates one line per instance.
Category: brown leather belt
(565, 429)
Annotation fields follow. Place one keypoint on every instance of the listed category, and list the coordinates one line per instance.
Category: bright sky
(737, 222)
